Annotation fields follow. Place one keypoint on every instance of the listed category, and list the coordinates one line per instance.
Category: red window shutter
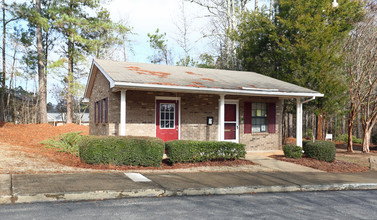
(247, 117)
(271, 117)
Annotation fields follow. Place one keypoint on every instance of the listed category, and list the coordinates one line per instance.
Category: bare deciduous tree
(224, 22)
(361, 69)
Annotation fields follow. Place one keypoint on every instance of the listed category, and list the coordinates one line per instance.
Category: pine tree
(301, 44)
(82, 24)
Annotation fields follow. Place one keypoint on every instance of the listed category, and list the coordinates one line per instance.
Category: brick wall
(194, 108)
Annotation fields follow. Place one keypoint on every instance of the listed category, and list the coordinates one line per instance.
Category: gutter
(308, 100)
(215, 90)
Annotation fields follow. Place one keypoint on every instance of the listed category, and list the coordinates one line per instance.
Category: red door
(230, 122)
(167, 120)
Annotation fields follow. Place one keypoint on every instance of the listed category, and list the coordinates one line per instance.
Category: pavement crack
(12, 197)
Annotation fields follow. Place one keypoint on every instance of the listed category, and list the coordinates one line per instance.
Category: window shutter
(106, 100)
(98, 112)
(101, 104)
(271, 117)
(95, 112)
(247, 117)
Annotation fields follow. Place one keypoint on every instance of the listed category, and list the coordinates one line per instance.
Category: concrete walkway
(263, 160)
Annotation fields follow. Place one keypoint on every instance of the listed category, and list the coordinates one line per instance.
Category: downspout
(299, 119)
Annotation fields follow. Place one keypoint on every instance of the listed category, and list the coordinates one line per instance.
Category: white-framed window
(167, 115)
(259, 117)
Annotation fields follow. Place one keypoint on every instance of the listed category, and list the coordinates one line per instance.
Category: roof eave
(127, 85)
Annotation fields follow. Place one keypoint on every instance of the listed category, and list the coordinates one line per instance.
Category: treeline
(53, 37)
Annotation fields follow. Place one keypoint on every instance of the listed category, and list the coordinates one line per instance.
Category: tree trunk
(319, 127)
(69, 81)
(359, 127)
(350, 127)
(290, 125)
(2, 97)
(366, 138)
(256, 5)
(41, 73)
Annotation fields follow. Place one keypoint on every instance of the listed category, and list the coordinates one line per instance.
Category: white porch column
(122, 126)
(299, 122)
(221, 117)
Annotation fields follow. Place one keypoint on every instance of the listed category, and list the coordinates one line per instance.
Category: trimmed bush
(133, 151)
(320, 150)
(68, 142)
(304, 142)
(292, 151)
(198, 151)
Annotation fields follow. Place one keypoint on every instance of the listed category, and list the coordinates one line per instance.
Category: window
(259, 117)
(167, 115)
(101, 111)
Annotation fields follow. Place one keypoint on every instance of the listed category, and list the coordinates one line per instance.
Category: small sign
(209, 120)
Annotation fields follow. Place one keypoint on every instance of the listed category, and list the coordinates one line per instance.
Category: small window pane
(259, 117)
(167, 116)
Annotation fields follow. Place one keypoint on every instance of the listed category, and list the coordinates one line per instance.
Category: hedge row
(198, 151)
(135, 151)
(320, 150)
(292, 151)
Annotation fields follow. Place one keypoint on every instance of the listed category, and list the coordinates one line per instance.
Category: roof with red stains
(156, 77)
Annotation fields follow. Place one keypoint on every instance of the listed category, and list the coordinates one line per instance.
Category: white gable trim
(213, 90)
(111, 81)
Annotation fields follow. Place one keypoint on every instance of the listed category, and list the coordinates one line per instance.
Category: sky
(145, 16)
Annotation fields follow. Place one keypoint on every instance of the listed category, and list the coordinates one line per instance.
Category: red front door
(167, 124)
(230, 122)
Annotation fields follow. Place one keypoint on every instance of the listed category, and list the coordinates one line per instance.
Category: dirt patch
(337, 166)
(15, 160)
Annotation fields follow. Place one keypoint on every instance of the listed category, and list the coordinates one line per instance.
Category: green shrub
(320, 150)
(134, 151)
(198, 151)
(292, 151)
(304, 142)
(344, 138)
(68, 142)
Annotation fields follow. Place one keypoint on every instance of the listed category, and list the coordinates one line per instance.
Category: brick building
(173, 102)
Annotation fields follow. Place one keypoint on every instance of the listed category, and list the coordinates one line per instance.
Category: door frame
(168, 98)
(234, 102)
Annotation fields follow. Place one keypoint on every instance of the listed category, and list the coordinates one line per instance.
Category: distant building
(58, 119)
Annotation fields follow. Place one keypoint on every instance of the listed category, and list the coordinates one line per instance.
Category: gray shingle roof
(173, 77)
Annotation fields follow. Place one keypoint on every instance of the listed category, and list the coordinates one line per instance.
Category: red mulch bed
(335, 167)
(29, 137)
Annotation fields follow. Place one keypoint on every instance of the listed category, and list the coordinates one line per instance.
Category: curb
(5, 199)
(82, 196)
(269, 189)
(109, 194)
